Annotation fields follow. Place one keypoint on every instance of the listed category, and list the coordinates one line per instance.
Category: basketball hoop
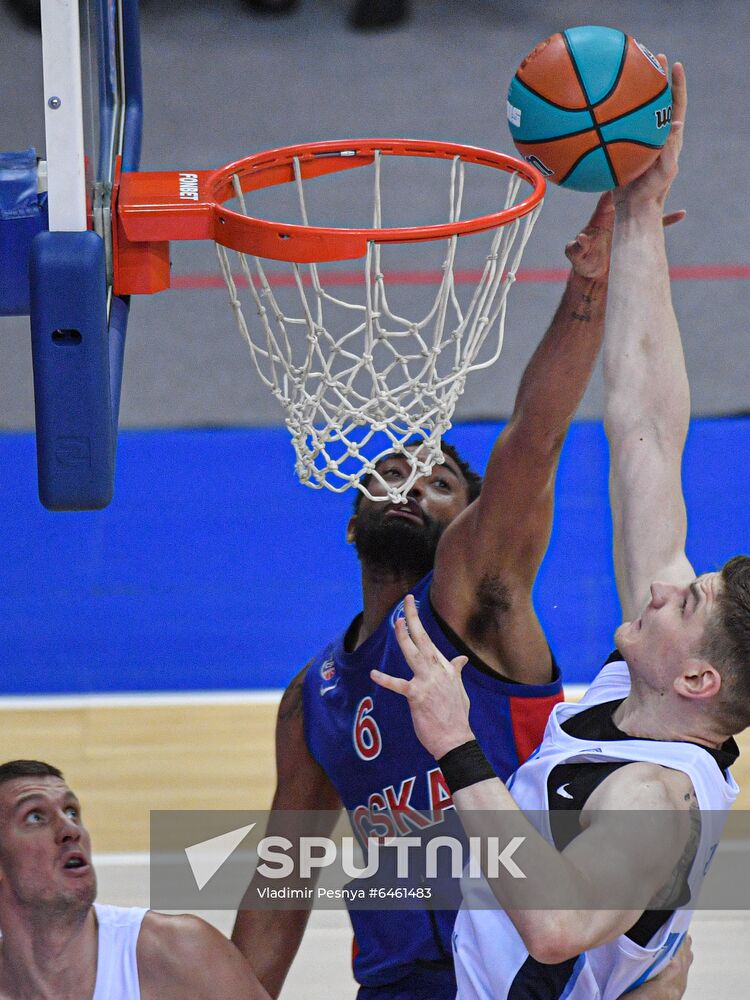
(375, 384)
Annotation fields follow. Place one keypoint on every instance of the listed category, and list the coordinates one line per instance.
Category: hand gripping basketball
(653, 185)
(589, 252)
(437, 699)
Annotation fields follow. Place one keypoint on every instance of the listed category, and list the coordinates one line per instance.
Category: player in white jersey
(656, 729)
(56, 942)
(582, 748)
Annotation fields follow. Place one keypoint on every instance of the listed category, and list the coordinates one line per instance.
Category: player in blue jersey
(469, 551)
(654, 734)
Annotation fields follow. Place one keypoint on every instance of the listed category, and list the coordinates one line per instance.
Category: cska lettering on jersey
(390, 813)
(363, 738)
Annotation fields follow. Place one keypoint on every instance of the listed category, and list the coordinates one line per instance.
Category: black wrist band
(465, 765)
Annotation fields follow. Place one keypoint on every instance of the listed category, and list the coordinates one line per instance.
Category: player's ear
(351, 530)
(698, 679)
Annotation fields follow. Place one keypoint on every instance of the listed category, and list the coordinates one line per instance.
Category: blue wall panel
(214, 569)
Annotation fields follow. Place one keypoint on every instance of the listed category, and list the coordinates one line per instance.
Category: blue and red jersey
(363, 738)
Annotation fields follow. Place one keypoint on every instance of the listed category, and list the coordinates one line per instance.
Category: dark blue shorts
(424, 983)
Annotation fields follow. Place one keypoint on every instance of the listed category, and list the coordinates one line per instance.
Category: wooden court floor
(126, 757)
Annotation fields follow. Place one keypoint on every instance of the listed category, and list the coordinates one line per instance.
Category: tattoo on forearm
(291, 703)
(582, 312)
(670, 895)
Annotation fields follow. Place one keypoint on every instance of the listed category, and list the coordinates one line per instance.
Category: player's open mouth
(408, 510)
(76, 863)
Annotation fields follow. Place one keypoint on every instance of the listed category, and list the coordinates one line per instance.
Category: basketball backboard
(56, 236)
(108, 234)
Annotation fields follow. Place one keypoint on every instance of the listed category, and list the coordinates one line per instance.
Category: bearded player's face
(403, 537)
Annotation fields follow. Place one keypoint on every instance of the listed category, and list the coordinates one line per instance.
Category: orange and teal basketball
(590, 107)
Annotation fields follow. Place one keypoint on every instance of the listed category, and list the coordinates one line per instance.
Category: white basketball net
(385, 380)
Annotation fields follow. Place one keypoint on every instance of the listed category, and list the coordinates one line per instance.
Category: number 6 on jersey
(366, 736)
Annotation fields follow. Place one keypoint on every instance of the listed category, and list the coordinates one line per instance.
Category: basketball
(590, 107)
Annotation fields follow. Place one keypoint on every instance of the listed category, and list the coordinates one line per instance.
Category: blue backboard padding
(118, 323)
(214, 569)
(70, 354)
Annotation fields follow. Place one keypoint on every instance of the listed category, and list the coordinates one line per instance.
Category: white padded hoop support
(353, 395)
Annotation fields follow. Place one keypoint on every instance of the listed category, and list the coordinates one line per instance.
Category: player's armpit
(269, 939)
(486, 564)
(183, 956)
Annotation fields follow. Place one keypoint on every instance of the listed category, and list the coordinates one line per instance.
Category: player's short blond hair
(727, 644)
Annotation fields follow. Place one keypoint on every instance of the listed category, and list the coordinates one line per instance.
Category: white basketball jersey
(492, 962)
(117, 965)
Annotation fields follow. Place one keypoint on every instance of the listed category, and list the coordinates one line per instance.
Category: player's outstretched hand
(653, 185)
(589, 252)
(437, 699)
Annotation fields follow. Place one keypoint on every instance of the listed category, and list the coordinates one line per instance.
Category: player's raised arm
(497, 544)
(516, 497)
(647, 399)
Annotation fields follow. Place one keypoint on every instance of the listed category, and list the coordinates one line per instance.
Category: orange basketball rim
(150, 209)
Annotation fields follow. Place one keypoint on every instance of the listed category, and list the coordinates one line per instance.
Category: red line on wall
(542, 275)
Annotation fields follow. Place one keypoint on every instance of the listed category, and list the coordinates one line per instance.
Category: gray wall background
(221, 82)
